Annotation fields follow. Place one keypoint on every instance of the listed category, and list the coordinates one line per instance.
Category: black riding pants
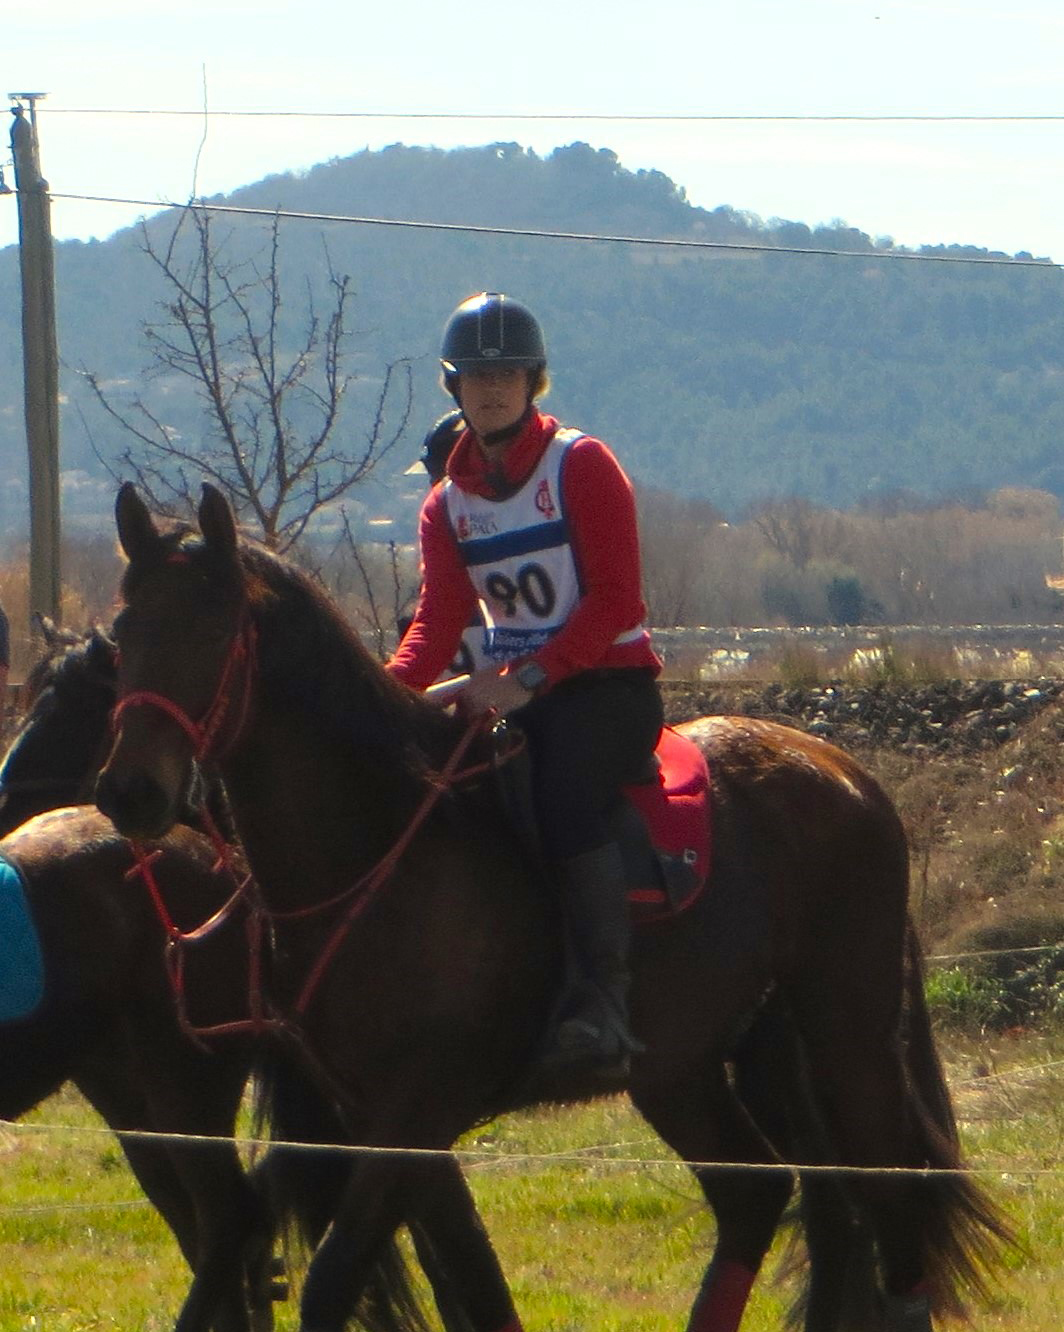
(588, 737)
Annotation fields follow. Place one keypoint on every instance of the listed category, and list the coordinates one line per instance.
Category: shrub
(799, 666)
(1016, 978)
(964, 1000)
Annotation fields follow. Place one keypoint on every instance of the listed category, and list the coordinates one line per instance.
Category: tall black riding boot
(593, 1032)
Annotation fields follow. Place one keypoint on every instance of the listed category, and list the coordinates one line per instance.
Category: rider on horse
(537, 524)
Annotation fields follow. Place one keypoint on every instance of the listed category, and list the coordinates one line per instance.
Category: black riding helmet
(491, 329)
(438, 444)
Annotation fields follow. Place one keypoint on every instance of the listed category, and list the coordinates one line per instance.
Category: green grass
(597, 1228)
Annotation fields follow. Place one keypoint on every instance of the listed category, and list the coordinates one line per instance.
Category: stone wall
(955, 715)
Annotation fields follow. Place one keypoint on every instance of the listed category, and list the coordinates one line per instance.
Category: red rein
(204, 738)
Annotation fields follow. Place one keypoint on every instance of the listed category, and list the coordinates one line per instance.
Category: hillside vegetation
(832, 371)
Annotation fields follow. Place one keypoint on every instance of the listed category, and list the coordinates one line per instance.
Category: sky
(755, 79)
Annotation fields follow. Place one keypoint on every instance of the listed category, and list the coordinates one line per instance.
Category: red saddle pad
(676, 808)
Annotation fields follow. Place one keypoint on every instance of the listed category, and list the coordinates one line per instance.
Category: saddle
(21, 963)
(662, 825)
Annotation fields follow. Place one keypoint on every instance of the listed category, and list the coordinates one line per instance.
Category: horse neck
(315, 805)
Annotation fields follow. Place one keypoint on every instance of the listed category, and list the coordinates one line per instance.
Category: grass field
(597, 1228)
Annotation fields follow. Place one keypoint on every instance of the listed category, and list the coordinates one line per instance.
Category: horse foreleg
(458, 1258)
(380, 1194)
(195, 1098)
(234, 1228)
(114, 1095)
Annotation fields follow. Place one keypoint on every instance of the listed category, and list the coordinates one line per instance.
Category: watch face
(531, 675)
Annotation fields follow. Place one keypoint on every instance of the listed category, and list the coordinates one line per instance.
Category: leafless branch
(273, 399)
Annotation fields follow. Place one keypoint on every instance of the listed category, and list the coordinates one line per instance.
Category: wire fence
(630, 1154)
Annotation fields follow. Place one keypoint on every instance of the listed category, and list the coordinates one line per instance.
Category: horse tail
(304, 1186)
(965, 1233)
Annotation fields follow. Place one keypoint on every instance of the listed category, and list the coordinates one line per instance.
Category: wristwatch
(531, 676)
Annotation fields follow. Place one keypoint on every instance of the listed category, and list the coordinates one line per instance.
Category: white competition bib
(519, 556)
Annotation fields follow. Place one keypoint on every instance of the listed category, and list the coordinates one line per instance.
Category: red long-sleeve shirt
(600, 507)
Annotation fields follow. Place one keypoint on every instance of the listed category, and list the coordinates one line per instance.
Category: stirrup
(595, 1037)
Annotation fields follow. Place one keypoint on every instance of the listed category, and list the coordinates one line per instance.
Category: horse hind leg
(857, 1071)
(771, 1081)
(886, 1105)
(702, 1121)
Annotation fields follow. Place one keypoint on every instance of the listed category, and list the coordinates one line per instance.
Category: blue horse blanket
(21, 963)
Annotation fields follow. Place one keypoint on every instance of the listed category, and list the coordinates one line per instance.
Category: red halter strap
(204, 733)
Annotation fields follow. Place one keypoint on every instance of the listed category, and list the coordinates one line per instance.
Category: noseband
(240, 660)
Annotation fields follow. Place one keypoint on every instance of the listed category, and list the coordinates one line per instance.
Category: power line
(668, 118)
(661, 242)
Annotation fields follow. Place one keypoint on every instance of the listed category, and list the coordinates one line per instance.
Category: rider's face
(493, 397)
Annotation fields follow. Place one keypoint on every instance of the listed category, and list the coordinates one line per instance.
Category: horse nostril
(135, 803)
(108, 797)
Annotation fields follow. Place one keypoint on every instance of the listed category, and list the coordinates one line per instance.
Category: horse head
(185, 660)
(54, 757)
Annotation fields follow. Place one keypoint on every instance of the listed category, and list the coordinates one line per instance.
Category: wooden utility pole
(40, 358)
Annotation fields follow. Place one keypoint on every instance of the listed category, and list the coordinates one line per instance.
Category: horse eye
(217, 632)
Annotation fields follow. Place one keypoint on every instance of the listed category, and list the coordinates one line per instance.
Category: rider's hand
(490, 690)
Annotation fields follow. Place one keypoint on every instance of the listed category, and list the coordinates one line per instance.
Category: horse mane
(90, 656)
(314, 660)
(315, 656)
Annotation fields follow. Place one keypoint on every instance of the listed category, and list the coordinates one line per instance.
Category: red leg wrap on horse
(514, 1325)
(722, 1299)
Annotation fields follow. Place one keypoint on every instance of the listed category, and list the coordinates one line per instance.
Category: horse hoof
(278, 1290)
(908, 1313)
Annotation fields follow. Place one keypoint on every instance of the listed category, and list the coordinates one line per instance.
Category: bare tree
(675, 533)
(800, 531)
(377, 586)
(272, 446)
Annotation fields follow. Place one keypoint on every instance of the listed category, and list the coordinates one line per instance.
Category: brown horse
(70, 693)
(108, 1021)
(422, 982)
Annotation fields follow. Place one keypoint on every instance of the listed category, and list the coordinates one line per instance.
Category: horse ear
(100, 649)
(54, 635)
(216, 521)
(136, 527)
(50, 631)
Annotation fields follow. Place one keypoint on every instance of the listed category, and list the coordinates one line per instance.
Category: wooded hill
(840, 374)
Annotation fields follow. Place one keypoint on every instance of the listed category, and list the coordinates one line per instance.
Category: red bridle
(203, 734)
(240, 658)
